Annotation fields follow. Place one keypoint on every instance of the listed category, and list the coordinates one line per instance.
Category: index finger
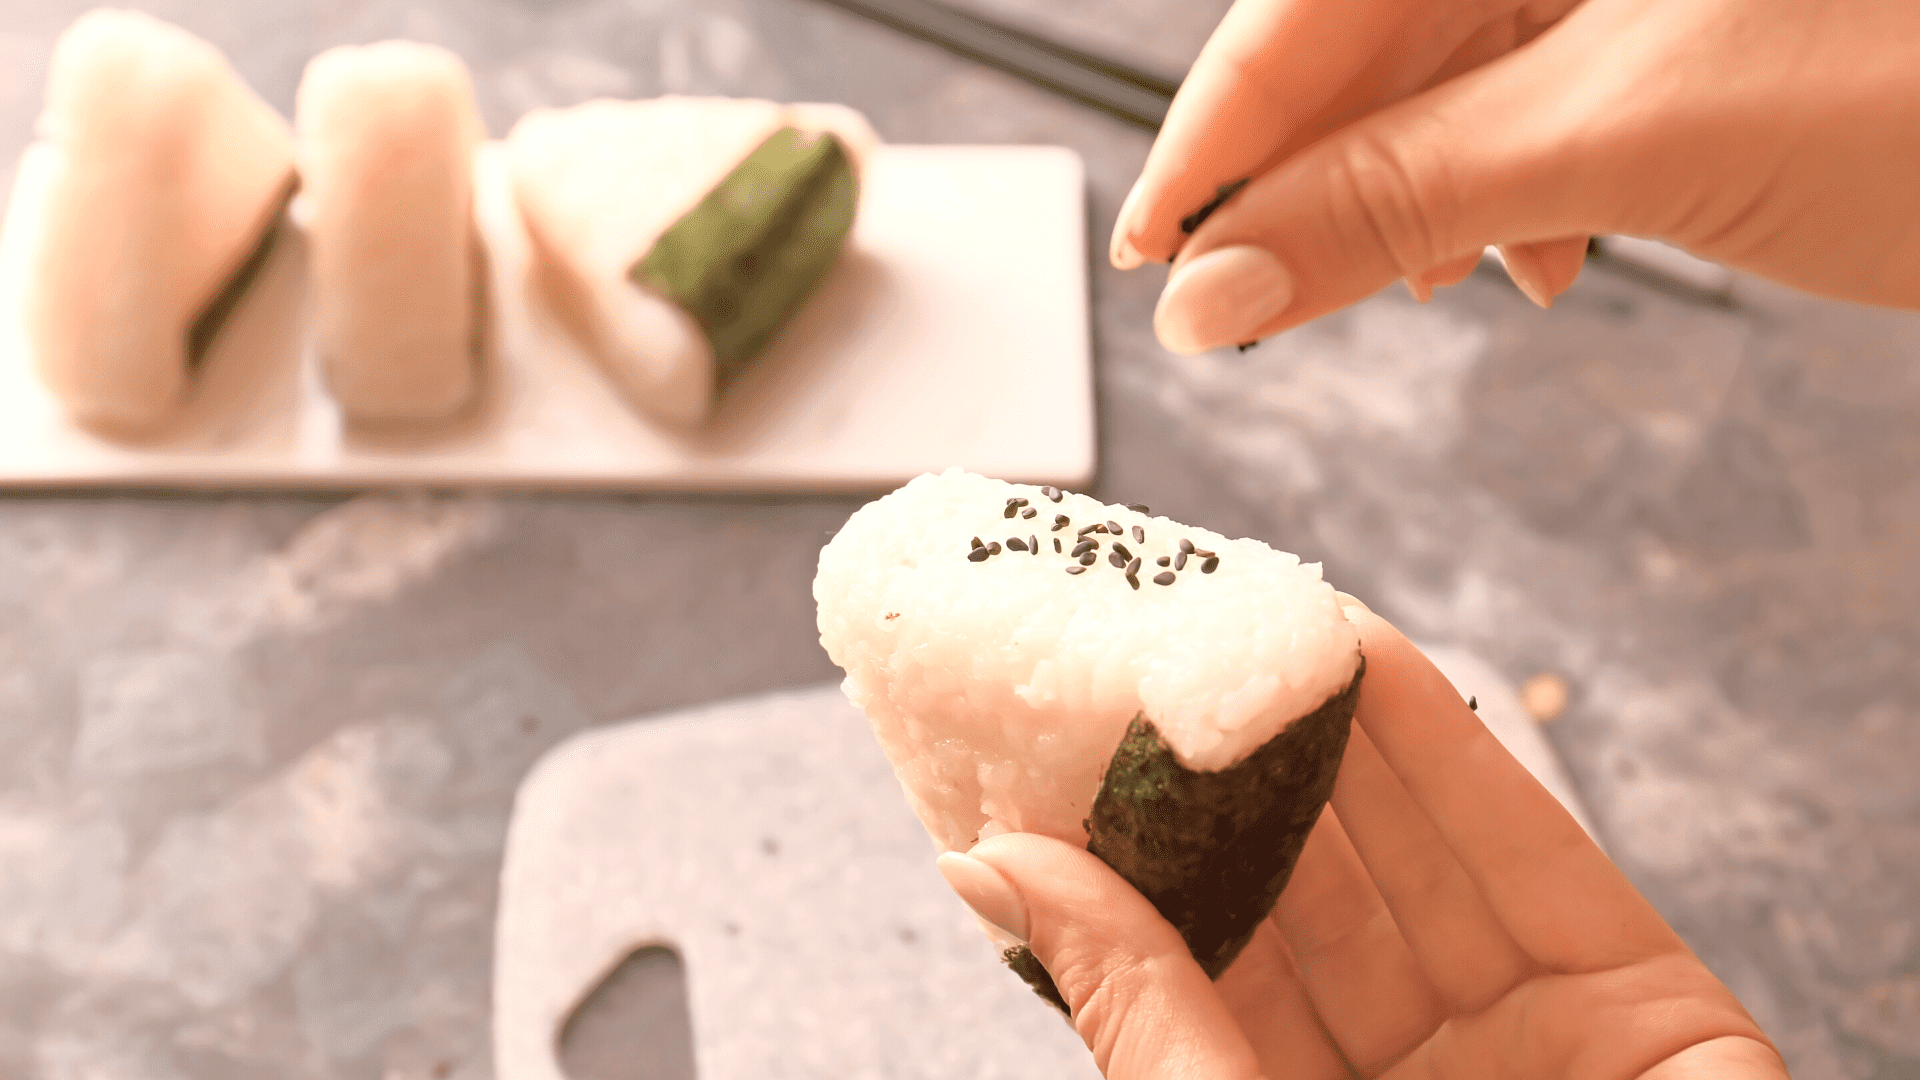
(1559, 897)
(1270, 66)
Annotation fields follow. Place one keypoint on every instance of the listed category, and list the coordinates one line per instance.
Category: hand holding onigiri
(1036, 661)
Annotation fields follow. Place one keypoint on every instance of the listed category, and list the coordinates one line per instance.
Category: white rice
(1000, 688)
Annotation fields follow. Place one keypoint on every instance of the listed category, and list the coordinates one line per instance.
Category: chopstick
(1135, 96)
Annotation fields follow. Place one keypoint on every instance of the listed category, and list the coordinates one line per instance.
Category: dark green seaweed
(1211, 850)
(743, 261)
(213, 318)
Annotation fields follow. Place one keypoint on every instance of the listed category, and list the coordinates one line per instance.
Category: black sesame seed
(1113, 527)
(1133, 581)
(1139, 508)
(1164, 577)
(1087, 559)
(1133, 567)
(1084, 530)
(1085, 546)
(1121, 550)
(1076, 569)
(1056, 545)
(1180, 561)
(1014, 543)
(1061, 521)
(1016, 501)
(1139, 535)
(1186, 546)
(1117, 559)
(1212, 564)
(993, 548)
(1033, 544)
(1029, 512)
(1245, 345)
(1011, 510)
(1162, 561)
(978, 555)
(1055, 495)
(977, 543)
(1202, 554)
(1474, 703)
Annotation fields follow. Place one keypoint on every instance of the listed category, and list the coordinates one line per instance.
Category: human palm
(1447, 919)
(1397, 138)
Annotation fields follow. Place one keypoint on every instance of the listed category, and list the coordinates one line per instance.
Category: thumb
(1502, 155)
(1137, 997)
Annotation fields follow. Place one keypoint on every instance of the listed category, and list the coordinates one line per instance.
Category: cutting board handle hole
(634, 1025)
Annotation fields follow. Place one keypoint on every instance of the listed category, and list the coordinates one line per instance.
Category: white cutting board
(953, 331)
(768, 843)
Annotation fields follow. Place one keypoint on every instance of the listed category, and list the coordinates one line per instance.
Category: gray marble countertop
(257, 752)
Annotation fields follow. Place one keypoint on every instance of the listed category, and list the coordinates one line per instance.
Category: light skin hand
(1398, 138)
(1447, 918)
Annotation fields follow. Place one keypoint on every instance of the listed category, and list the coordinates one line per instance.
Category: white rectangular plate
(953, 331)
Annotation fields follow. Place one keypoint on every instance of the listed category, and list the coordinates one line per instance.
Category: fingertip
(1120, 250)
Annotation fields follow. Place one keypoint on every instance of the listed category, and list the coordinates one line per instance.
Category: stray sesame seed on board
(1164, 577)
(1076, 569)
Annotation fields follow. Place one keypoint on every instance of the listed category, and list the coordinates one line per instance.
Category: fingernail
(986, 891)
(1220, 298)
(1121, 251)
(1525, 270)
(1346, 601)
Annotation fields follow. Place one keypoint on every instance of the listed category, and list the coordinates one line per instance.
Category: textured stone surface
(1705, 519)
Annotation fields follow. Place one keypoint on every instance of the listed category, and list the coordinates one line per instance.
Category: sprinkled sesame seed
(978, 555)
(1133, 567)
(1076, 569)
(1139, 535)
(1162, 561)
(1121, 550)
(1474, 703)
(1164, 577)
(1245, 345)
(1014, 543)
(1056, 545)
(1133, 581)
(1198, 553)
(1212, 564)
(1084, 530)
(1186, 546)
(1085, 546)
(1139, 508)
(1011, 510)
(1016, 501)
(977, 543)
(1061, 521)
(1113, 527)
(1033, 544)
(1029, 512)
(1051, 493)
(993, 548)
(1117, 559)
(1180, 561)
(1087, 559)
